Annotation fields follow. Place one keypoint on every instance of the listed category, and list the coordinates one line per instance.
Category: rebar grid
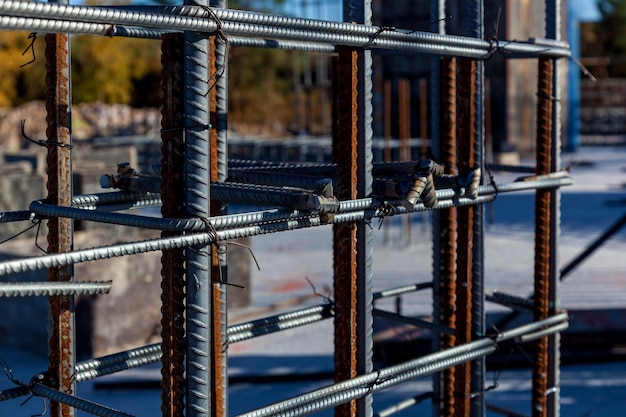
(386, 377)
(203, 121)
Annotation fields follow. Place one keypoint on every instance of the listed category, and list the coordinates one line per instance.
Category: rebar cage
(193, 189)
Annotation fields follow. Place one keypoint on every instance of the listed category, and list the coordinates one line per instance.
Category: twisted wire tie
(42, 142)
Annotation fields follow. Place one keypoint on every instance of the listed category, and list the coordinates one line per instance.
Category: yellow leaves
(103, 69)
(16, 85)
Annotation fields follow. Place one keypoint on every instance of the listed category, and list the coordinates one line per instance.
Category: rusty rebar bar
(218, 173)
(345, 235)
(543, 233)
(465, 230)
(172, 260)
(447, 228)
(60, 239)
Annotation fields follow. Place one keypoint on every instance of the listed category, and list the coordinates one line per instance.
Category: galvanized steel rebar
(38, 289)
(104, 21)
(383, 378)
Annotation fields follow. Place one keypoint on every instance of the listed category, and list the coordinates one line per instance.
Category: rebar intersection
(361, 194)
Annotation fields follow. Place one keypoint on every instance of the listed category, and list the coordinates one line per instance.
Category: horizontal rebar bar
(84, 369)
(145, 355)
(15, 392)
(78, 403)
(375, 381)
(104, 21)
(16, 216)
(238, 333)
(392, 292)
(352, 210)
(529, 337)
(46, 288)
(511, 301)
(268, 216)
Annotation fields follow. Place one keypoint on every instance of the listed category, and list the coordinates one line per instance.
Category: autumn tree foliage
(603, 43)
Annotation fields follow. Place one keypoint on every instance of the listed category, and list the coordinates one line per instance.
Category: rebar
(194, 217)
(197, 203)
(85, 370)
(345, 278)
(61, 341)
(393, 292)
(15, 216)
(76, 403)
(245, 331)
(447, 227)
(466, 113)
(39, 289)
(172, 260)
(512, 301)
(268, 216)
(383, 378)
(218, 108)
(543, 234)
(104, 21)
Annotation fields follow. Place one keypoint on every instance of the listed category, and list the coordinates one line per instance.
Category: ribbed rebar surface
(172, 196)
(103, 21)
(448, 227)
(60, 233)
(38, 289)
(344, 235)
(465, 228)
(197, 197)
(218, 108)
(542, 233)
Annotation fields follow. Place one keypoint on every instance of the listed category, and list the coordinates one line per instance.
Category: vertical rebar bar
(219, 171)
(447, 228)
(437, 13)
(553, 31)
(543, 233)
(352, 242)
(475, 29)
(172, 197)
(465, 229)
(197, 195)
(60, 233)
(344, 234)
